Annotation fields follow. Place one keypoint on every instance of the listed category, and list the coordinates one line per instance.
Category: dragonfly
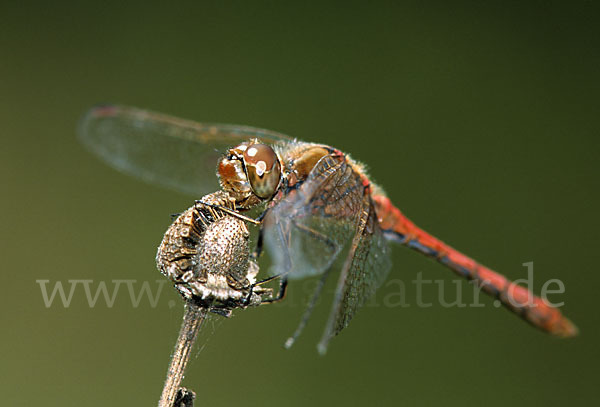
(319, 214)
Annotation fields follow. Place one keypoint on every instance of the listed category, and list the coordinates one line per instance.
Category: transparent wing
(164, 150)
(365, 269)
(307, 230)
(330, 218)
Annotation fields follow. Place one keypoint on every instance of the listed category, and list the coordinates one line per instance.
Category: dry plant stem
(192, 320)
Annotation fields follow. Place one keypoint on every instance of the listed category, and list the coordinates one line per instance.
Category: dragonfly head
(250, 173)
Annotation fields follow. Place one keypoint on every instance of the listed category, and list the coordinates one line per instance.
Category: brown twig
(192, 321)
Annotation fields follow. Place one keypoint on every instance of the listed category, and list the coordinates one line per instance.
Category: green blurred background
(481, 121)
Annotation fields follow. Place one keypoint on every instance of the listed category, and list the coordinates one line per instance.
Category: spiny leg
(283, 279)
(229, 211)
(321, 283)
(283, 275)
(224, 312)
(259, 245)
(308, 311)
(283, 283)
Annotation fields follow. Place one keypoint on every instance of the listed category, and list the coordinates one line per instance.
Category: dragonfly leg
(308, 311)
(230, 211)
(283, 282)
(259, 245)
(321, 283)
(302, 228)
(280, 294)
(224, 312)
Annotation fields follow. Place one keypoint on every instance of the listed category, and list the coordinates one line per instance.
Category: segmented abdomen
(516, 298)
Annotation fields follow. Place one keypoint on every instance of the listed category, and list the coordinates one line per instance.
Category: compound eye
(263, 169)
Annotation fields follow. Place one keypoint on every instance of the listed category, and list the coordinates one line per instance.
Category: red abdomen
(516, 298)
